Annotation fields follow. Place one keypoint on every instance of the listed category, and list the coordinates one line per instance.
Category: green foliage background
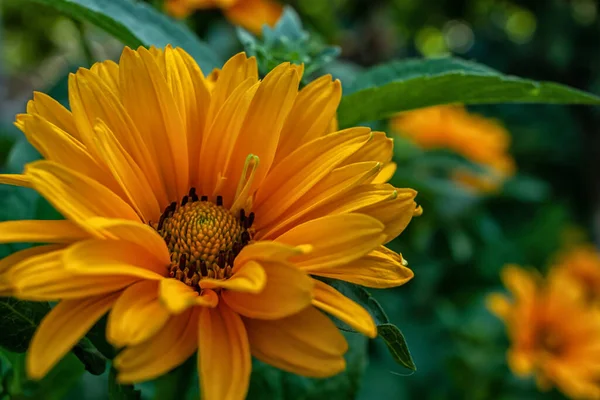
(460, 243)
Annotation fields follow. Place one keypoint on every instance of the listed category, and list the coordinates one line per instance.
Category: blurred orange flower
(582, 263)
(481, 140)
(554, 331)
(250, 14)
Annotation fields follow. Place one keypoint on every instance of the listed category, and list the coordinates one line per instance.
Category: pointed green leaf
(387, 331)
(137, 24)
(92, 359)
(404, 85)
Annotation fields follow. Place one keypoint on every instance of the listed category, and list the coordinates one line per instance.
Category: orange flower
(196, 213)
(582, 263)
(554, 332)
(481, 140)
(250, 14)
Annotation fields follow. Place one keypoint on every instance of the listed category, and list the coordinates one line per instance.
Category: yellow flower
(581, 263)
(554, 333)
(250, 14)
(197, 213)
(481, 140)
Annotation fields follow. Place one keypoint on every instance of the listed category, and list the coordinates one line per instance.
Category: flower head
(480, 140)
(250, 14)
(581, 263)
(554, 332)
(197, 214)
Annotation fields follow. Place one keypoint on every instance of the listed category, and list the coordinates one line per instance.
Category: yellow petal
(336, 240)
(8, 262)
(235, 71)
(310, 116)
(379, 149)
(249, 278)
(97, 101)
(267, 251)
(333, 187)
(126, 172)
(136, 316)
(134, 232)
(498, 304)
(44, 278)
(333, 302)
(196, 109)
(52, 111)
(224, 361)
(76, 196)
(61, 329)
(386, 173)
(519, 281)
(287, 291)
(41, 231)
(253, 14)
(269, 109)
(108, 71)
(15, 180)
(113, 257)
(150, 104)
(381, 268)
(221, 136)
(306, 343)
(177, 297)
(170, 347)
(303, 169)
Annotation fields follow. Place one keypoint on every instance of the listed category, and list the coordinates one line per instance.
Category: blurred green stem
(85, 45)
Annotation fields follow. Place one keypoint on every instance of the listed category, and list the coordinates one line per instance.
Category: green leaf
(92, 359)
(396, 344)
(19, 320)
(137, 24)
(387, 331)
(121, 392)
(175, 384)
(404, 85)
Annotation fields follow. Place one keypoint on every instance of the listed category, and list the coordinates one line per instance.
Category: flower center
(203, 238)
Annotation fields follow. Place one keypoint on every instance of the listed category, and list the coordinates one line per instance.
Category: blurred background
(548, 203)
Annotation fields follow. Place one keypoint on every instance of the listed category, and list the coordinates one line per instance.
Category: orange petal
(306, 343)
(249, 278)
(224, 361)
(61, 329)
(265, 250)
(381, 268)
(287, 291)
(379, 149)
(90, 199)
(303, 169)
(113, 257)
(336, 240)
(136, 316)
(177, 297)
(170, 347)
(108, 71)
(52, 111)
(310, 116)
(333, 302)
(15, 180)
(8, 262)
(386, 173)
(253, 14)
(269, 109)
(44, 278)
(150, 104)
(41, 231)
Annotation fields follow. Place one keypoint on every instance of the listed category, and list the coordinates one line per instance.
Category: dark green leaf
(387, 331)
(121, 392)
(403, 85)
(97, 335)
(396, 344)
(137, 24)
(175, 384)
(92, 359)
(18, 320)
